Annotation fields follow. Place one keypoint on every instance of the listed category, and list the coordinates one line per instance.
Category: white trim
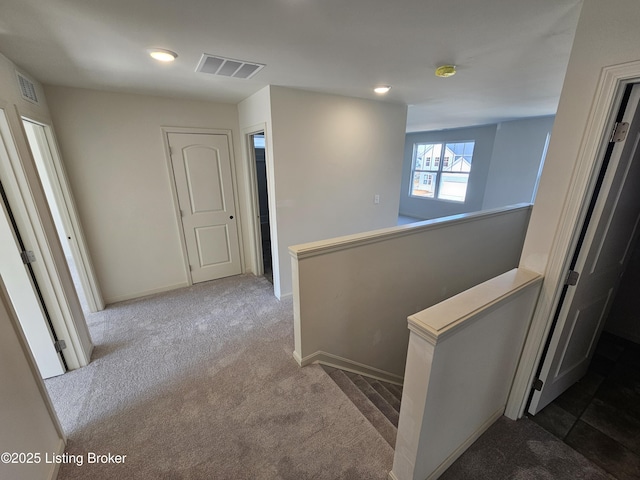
(176, 213)
(254, 201)
(324, 358)
(146, 293)
(313, 249)
(34, 235)
(589, 159)
(543, 157)
(442, 320)
(66, 206)
(284, 296)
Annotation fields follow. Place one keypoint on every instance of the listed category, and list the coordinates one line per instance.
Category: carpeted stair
(378, 401)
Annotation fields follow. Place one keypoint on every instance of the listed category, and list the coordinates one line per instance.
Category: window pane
(427, 156)
(460, 157)
(436, 154)
(424, 184)
(418, 163)
(453, 186)
(448, 160)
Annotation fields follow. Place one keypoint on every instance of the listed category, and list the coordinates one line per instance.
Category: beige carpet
(200, 383)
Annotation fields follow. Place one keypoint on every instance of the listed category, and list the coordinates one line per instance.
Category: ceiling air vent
(27, 89)
(228, 67)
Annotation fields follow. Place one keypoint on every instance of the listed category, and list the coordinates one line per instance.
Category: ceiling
(511, 55)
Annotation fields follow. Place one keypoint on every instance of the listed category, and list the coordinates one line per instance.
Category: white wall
(331, 156)
(353, 294)
(515, 162)
(426, 208)
(506, 164)
(607, 34)
(112, 148)
(462, 356)
(254, 114)
(28, 422)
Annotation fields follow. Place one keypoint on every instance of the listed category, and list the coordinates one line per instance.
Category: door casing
(22, 286)
(611, 86)
(17, 184)
(584, 307)
(57, 177)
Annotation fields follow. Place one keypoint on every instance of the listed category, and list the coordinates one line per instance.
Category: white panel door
(604, 254)
(26, 302)
(202, 170)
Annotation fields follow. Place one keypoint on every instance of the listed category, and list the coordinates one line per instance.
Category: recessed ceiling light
(445, 71)
(382, 89)
(162, 55)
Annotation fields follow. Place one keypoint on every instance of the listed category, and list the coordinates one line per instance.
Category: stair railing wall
(353, 294)
(462, 359)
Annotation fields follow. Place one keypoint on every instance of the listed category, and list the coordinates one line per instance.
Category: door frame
(174, 192)
(26, 297)
(27, 215)
(65, 203)
(254, 201)
(609, 91)
(610, 167)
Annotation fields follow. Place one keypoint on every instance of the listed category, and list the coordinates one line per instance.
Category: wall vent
(27, 89)
(228, 67)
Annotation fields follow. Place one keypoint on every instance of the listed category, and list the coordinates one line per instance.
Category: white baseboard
(91, 348)
(297, 358)
(284, 296)
(466, 444)
(392, 476)
(335, 361)
(146, 293)
(55, 467)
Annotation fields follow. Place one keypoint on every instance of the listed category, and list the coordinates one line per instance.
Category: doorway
(202, 174)
(587, 388)
(65, 218)
(601, 254)
(259, 154)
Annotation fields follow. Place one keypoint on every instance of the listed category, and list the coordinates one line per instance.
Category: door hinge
(190, 268)
(619, 133)
(572, 278)
(538, 384)
(59, 345)
(27, 257)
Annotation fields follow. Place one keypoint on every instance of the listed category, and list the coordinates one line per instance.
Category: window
(446, 180)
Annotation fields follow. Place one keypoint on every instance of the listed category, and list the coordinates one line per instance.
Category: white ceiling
(511, 54)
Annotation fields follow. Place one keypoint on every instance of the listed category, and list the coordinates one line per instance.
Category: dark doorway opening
(263, 202)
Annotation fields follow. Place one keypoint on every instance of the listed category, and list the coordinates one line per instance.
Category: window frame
(440, 163)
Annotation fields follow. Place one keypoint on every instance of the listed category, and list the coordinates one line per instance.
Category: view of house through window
(441, 170)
